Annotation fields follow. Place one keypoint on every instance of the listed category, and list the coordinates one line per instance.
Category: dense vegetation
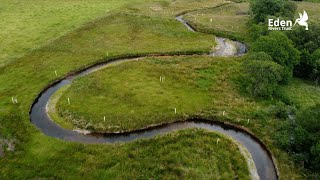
(301, 137)
(297, 52)
(261, 9)
(189, 153)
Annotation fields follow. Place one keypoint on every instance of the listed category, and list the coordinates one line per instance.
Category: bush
(288, 9)
(307, 136)
(261, 56)
(261, 9)
(316, 72)
(257, 30)
(309, 66)
(304, 68)
(281, 111)
(280, 47)
(309, 40)
(263, 77)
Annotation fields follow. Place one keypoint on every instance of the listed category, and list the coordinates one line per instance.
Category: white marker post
(175, 110)
(68, 100)
(104, 118)
(162, 79)
(223, 113)
(14, 100)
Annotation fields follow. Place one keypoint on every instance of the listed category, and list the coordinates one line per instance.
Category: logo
(302, 20)
(286, 25)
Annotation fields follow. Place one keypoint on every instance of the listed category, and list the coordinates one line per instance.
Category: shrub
(257, 30)
(261, 9)
(309, 40)
(263, 77)
(307, 136)
(262, 56)
(281, 110)
(280, 47)
(309, 65)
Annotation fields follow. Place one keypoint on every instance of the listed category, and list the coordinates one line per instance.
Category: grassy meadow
(41, 37)
(28, 25)
(229, 20)
(131, 96)
(184, 154)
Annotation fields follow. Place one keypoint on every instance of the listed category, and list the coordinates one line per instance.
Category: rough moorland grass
(134, 92)
(27, 25)
(114, 35)
(169, 8)
(131, 96)
(187, 154)
(303, 94)
(229, 20)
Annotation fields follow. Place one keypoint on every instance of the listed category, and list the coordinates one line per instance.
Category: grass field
(95, 42)
(170, 8)
(131, 96)
(228, 20)
(28, 25)
(146, 101)
(303, 94)
(42, 37)
(164, 157)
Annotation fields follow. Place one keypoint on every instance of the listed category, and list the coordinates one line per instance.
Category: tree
(309, 66)
(308, 40)
(307, 136)
(305, 66)
(263, 77)
(262, 56)
(315, 74)
(288, 9)
(279, 47)
(261, 9)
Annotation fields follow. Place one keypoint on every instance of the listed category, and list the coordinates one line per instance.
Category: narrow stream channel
(39, 117)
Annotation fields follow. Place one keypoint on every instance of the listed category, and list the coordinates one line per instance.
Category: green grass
(110, 37)
(133, 91)
(186, 154)
(28, 25)
(131, 95)
(66, 47)
(169, 8)
(302, 94)
(228, 20)
(231, 20)
(52, 111)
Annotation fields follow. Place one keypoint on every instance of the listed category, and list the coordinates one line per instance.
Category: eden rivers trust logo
(286, 25)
